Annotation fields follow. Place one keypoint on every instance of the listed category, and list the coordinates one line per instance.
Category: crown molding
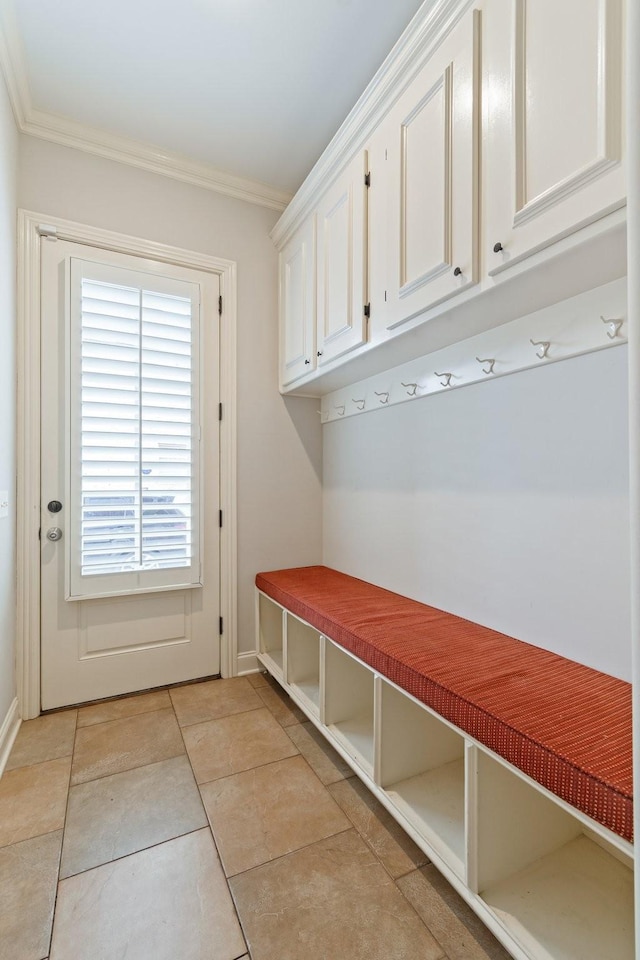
(153, 159)
(430, 25)
(79, 136)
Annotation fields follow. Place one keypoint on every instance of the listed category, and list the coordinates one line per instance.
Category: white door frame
(33, 230)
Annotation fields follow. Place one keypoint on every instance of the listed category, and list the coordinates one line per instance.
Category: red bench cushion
(565, 725)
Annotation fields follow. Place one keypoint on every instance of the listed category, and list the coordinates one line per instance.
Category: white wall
(505, 503)
(8, 169)
(279, 443)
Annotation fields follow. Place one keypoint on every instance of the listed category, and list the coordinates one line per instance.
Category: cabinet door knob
(457, 272)
(307, 361)
(319, 353)
(497, 247)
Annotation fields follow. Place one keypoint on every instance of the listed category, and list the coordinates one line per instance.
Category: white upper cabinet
(342, 262)
(298, 304)
(431, 174)
(553, 130)
(494, 140)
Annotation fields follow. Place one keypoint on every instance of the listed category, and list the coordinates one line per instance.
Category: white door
(130, 476)
(342, 263)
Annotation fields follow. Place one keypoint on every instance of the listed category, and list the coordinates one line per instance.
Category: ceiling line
(145, 156)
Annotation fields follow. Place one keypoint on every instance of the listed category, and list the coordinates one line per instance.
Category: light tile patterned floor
(209, 822)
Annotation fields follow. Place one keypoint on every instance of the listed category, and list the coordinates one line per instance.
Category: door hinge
(219, 411)
(367, 179)
(220, 518)
(220, 305)
(39, 533)
(221, 626)
(367, 310)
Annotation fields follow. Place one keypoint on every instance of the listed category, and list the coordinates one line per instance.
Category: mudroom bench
(510, 766)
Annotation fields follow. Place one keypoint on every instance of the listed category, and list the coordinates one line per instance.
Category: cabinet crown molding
(429, 27)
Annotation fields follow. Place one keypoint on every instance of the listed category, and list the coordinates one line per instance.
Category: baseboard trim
(8, 733)
(248, 663)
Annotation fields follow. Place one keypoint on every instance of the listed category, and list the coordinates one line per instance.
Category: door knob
(497, 247)
(54, 533)
(54, 506)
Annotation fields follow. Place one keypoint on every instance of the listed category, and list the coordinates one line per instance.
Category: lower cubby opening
(421, 770)
(303, 661)
(561, 889)
(348, 704)
(270, 635)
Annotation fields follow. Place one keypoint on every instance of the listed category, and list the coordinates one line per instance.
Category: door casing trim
(30, 237)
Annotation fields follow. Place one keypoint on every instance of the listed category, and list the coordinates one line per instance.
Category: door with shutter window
(130, 498)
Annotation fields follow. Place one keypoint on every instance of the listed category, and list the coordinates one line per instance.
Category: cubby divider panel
(303, 661)
(271, 635)
(348, 704)
(560, 889)
(421, 770)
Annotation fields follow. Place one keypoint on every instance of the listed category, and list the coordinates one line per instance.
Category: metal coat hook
(490, 362)
(614, 325)
(359, 403)
(383, 393)
(447, 381)
(412, 392)
(340, 407)
(543, 353)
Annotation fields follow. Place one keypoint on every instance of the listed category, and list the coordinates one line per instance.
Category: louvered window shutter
(134, 432)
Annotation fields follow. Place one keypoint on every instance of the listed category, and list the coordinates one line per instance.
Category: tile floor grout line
(36, 836)
(103, 723)
(133, 853)
(209, 827)
(103, 776)
(290, 853)
(237, 713)
(129, 716)
(64, 830)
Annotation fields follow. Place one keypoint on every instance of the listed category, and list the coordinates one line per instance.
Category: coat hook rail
(614, 327)
(447, 378)
(384, 394)
(359, 403)
(490, 362)
(544, 345)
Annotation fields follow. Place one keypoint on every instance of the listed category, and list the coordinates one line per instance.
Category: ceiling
(254, 88)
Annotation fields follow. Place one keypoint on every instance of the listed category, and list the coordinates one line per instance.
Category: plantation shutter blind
(134, 419)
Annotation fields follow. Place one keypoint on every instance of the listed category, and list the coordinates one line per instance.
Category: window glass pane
(136, 422)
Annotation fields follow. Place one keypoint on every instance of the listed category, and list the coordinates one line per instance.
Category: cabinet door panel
(297, 305)
(342, 263)
(553, 124)
(425, 186)
(432, 171)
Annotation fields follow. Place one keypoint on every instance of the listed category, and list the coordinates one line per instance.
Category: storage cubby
(348, 704)
(421, 770)
(271, 636)
(303, 661)
(560, 888)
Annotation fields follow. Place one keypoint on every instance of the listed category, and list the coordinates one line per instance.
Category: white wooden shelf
(576, 903)
(348, 704)
(548, 881)
(303, 661)
(270, 622)
(433, 802)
